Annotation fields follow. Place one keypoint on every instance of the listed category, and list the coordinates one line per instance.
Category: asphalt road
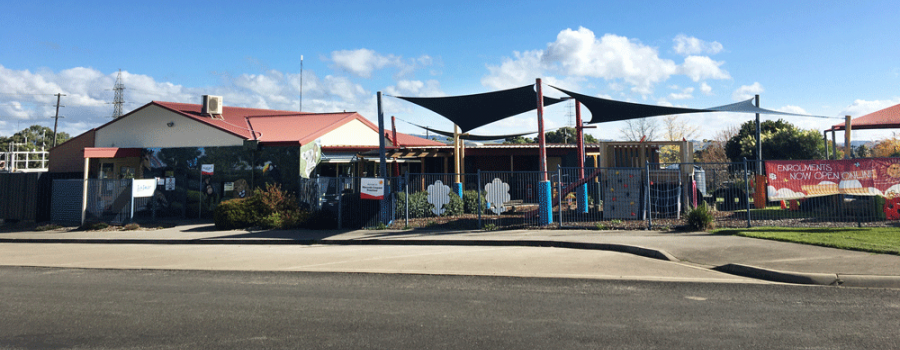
(44, 308)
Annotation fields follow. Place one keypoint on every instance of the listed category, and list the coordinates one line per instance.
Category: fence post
(747, 191)
(340, 208)
(406, 201)
(647, 205)
(131, 218)
(480, 198)
(559, 194)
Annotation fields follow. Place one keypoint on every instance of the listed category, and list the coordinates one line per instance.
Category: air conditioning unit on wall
(212, 105)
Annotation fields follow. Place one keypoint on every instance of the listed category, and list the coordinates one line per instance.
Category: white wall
(147, 128)
(354, 133)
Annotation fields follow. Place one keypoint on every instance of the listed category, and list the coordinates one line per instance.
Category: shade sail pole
(457, 184)
(542, 155)
(545, 201)
(758, 142)
(582, 189)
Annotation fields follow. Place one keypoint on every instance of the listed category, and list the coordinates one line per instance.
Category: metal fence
(111, 201)
(657, 196)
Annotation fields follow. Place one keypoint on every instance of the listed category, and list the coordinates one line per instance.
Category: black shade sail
(603, 110)
(472, 111)
(466, 136)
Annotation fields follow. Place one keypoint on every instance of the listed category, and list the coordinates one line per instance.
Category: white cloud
(521, 70)
(688, 45)
(705, 88)
(701, 67)
(683, 95)
(747, 92)
(430, 88)
(580, 53)
(862, 107)
(362, 62)
(792, 109)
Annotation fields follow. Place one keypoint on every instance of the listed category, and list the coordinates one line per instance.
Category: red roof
(888, 118)
(278, 127)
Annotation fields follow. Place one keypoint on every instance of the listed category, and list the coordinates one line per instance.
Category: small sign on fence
(143, 188)
(371, 188)
(207, 169)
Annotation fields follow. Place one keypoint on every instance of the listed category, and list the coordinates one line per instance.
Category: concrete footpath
(747, 257)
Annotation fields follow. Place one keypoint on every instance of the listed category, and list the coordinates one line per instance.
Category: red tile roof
(888, 118)
(278, 127)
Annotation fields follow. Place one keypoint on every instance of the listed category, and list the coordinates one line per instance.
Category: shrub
(700, 218)
(95, 226)
(418, 204)
(471, 199)
(131, 227)
(454, 208)
(272, 208)
(47, 227)
(235, 214)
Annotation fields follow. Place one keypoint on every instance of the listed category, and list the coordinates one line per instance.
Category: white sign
(371, 188)
(143, 188)
(229, 186)
(170, 184)
(207, 169)
(438, 195)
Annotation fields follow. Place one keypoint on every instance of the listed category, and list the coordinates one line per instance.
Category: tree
(641, 128)
(889, 147)
(32, 138)
(780, 141)
(567, 135)
(517, 140)
(676, 130)
(715, 148)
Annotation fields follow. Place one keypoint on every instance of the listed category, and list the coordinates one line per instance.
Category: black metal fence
(656, 196)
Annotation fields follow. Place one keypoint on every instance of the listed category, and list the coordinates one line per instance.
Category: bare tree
(676, 129)
(641, 128)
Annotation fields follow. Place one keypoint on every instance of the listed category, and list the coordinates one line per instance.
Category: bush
(454, 208)
(47, 227)
(131, 227)
(418, 204)
(95, 226)
(700, 218)
(272, 208)
(471, 199)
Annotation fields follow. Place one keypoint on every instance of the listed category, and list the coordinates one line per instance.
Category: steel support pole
(480, 199)
(382, 167)
(758, 142)
(545, 197)
(647, 208)
(747, 191)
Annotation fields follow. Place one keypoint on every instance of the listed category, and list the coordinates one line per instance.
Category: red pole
(541, 142)
(394, 142)
(579, 129)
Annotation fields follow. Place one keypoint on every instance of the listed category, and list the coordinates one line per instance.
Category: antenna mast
(119, 99)
(301, 84)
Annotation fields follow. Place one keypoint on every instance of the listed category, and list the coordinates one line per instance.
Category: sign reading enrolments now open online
(371, 188)
(791, 179)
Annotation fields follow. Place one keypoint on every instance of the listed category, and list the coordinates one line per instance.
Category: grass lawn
(869, 239)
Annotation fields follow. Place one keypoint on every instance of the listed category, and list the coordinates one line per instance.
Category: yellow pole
(847, 148)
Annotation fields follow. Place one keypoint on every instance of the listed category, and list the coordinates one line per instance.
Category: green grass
(884, 240)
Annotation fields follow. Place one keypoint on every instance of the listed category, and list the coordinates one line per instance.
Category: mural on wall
(183, 191)
(310, 155)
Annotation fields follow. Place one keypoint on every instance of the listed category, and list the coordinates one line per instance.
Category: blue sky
(823, 58)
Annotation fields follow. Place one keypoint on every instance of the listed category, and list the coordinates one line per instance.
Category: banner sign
(310, 156)
(143, 188)
(207, 169)
(795, 179)
(371, 188)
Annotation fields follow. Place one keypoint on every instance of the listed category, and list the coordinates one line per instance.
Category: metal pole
(758, 141)
(559, 193)
(382, 167)
(542, 154)
(833, 144)
(848, 150)
(747, 191)
(647, 205)
(825, 141)
(340, 199)
(406, 191)
(131, 218)
(480, 198)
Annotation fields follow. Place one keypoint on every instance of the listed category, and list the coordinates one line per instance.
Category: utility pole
(56, 118)
(300, 107)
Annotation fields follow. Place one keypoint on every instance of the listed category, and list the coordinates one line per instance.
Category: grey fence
(110, 200)
(656, 196)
